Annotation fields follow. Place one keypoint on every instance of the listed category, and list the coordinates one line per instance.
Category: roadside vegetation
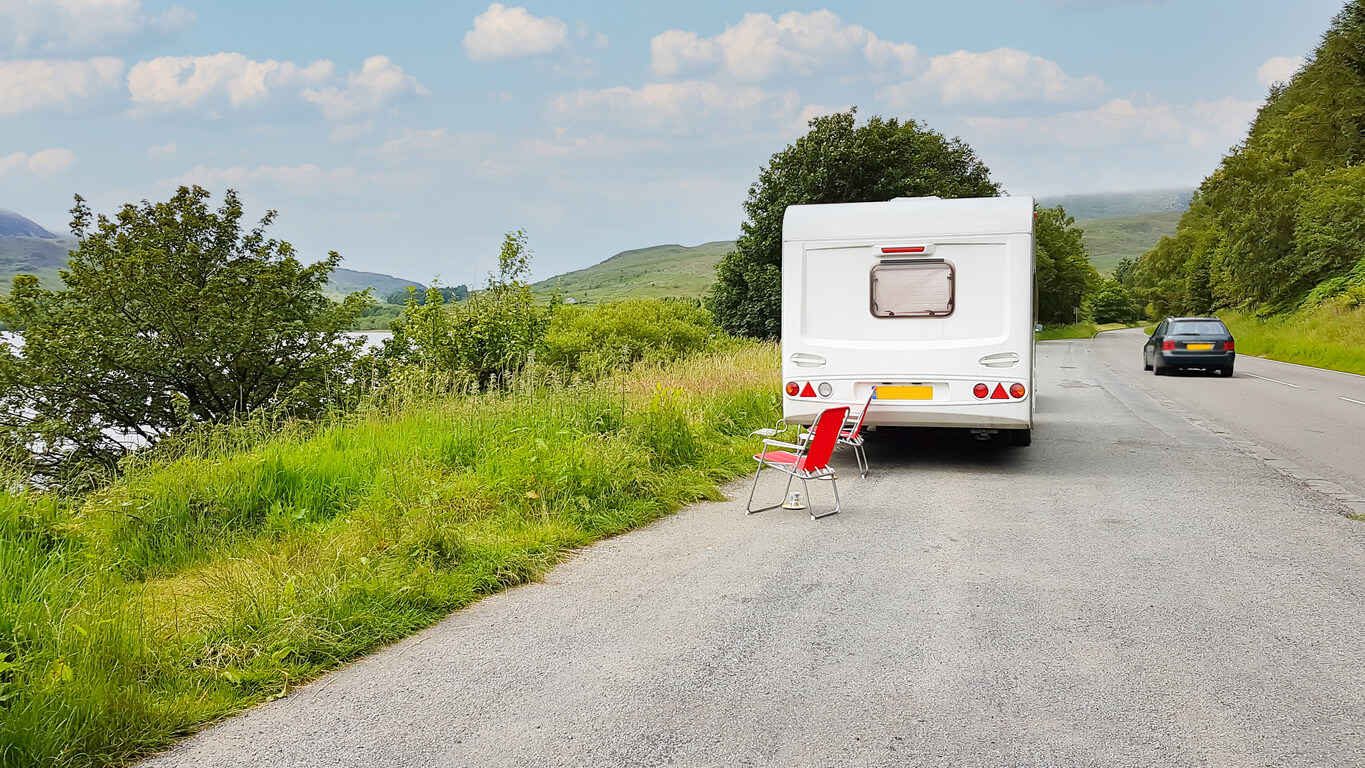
(1326, 338)
(1077, 330)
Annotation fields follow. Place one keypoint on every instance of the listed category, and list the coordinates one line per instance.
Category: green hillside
(44, 257)
(1113, 238)
(646, 273)
(1115, 204)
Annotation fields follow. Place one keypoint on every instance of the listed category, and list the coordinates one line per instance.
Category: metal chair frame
(852, 436)
(807, 459)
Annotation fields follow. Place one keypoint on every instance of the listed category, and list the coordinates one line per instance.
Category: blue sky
(409, 136)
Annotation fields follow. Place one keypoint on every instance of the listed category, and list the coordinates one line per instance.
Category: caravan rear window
(912, 289)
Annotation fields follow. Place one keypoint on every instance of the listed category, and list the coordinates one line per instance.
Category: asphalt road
(1310, 417)
(1131, 590)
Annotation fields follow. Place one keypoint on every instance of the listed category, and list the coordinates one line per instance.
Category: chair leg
(749, 507)
(862, 460)
(833, 483)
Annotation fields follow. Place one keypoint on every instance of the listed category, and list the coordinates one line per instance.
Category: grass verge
(1327, 337)
(227, 572)
(1077, 330)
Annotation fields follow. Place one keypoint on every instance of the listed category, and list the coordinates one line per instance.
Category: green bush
(589, 341)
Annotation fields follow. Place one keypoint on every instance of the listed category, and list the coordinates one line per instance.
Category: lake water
(373, 339)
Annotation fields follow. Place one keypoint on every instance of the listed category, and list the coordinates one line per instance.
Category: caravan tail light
(825, 389)
(981, 391)
(1016, 391)
(793, 388)
(808, 390)
(908, 249)
(999, 393)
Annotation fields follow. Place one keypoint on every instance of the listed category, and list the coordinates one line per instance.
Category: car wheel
(1158, 369)
(1021, 437)
(1146, 366)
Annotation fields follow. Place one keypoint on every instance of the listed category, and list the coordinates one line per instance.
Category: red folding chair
(808, 460)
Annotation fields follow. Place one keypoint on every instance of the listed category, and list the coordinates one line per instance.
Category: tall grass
(1327, 337)
(224, 570)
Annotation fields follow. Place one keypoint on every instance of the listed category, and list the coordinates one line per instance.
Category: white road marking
(1349, 400)
(1267, 378)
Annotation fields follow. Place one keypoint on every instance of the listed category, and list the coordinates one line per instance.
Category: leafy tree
(483, 340)
(1063, 274)
(1113, 303)
(454, 293)
(171, 315)
(837, 161)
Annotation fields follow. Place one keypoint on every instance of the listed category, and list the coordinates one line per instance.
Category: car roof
(1177, 319)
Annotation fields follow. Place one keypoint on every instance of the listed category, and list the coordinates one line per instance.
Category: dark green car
(1190, 342)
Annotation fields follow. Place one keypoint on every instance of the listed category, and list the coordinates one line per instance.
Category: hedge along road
(1132, 590)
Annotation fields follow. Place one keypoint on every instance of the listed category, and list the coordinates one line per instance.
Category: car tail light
(1016, 391)
(793, 388)
(981, 391)
(1228, 346)
(1167, 346)
(808, 390)
(999, 393)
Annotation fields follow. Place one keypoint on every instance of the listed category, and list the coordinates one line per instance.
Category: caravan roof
(923, 216)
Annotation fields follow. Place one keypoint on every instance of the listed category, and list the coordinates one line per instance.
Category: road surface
(1134, 589)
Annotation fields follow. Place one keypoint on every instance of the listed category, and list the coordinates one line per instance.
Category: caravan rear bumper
(1013, 414)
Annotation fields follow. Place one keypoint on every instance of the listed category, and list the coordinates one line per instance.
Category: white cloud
(1278, 70)
(48, 162)
(162, 151)
(184, 82)
(760, 48)
(680, 107)
(1121, 122)
(59, 25)
(993, 77)
(414, 141)
(34, 84)
(378, 83)
(508, 33)
(302, 179)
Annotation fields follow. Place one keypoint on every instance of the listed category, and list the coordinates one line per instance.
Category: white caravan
(925, 305)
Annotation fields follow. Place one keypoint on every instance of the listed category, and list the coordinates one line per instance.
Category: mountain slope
(1110, 204)
(663, 270)
(14, 225)
(1114, 238)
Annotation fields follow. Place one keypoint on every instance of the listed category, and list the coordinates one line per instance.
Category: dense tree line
(1282, 219)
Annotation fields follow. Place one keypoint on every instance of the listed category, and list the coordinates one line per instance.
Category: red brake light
(1229, 347)
(909, 249)
(1167, 346)
(1016, 391)
(793, 388)
(981, 391)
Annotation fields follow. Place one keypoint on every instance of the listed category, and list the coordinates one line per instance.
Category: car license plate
(905, 393)
(1199, 347)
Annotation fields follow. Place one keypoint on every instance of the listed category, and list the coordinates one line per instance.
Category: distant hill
(1114, 238)
(14, 225)
(1111, 204)
(28, 249)
(645, 273)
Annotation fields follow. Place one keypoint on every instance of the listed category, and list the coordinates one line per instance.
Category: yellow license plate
(1199, 347)
(905, 393)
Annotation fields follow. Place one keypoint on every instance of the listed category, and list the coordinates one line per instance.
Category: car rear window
(912, 289)
(1198, 328)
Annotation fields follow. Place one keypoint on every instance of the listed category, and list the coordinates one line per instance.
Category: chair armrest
(765, 432)
(780, 444)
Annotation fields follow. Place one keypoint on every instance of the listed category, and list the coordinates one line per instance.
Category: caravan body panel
(920, 299)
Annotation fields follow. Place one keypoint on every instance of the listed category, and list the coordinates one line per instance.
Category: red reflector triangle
(808, 392)
(999, 393)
